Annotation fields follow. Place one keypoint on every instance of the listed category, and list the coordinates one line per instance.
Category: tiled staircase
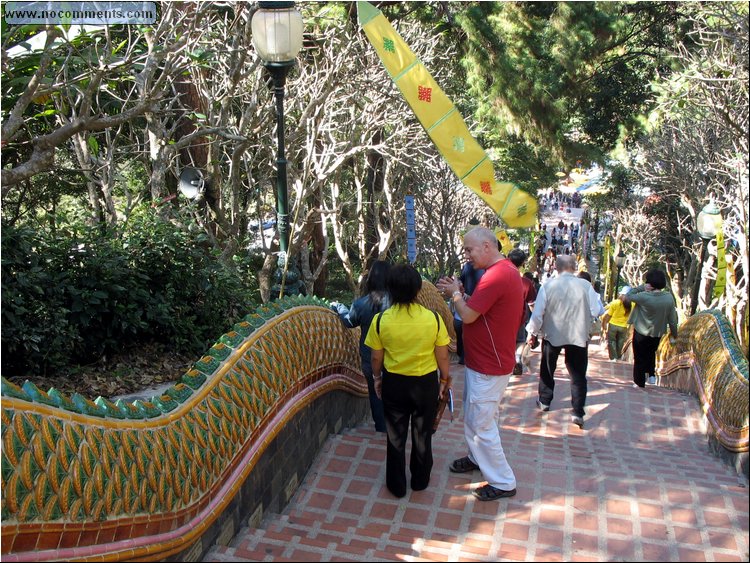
(308, 537)
(637, 484)
(361, 528)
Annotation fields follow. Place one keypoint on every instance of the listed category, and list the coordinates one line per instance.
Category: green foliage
(525, 166)
(620, 183)
(78, 293)
(36, 330)
(432, 274)
(565, 75)
(337, 287)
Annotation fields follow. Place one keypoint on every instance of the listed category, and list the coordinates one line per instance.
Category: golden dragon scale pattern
(82, 478)
(707, 360)
(80, 473)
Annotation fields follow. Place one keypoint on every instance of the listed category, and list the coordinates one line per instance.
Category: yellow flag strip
(721, 264)
(443, 123)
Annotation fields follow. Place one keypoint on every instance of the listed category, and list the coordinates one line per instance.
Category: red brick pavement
(638, 483)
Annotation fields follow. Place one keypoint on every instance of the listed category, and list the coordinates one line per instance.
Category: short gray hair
(566, 263)
(482, 234)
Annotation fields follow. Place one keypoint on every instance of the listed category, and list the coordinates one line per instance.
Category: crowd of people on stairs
(500, 315)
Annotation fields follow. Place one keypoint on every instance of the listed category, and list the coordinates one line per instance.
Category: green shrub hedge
(72, 295)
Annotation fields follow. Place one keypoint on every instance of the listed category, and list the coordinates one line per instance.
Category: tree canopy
(569, 76)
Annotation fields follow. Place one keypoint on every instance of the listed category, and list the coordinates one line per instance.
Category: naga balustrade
(707, 361)
(166, 478)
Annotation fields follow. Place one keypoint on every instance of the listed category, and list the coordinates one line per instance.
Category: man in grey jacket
(654, 314)
(562, 315)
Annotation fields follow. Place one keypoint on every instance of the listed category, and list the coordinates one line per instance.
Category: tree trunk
(318, 255)
(265, 277)
(157, 163)
(374, 183)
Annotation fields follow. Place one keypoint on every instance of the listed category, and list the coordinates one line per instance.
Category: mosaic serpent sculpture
(112, 481)
(707, 361)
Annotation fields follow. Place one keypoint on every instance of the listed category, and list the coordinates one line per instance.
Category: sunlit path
(638, 483)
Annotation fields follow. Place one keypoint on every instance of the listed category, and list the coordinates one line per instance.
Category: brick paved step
(637, 484)
(310, 538)
(307, 535)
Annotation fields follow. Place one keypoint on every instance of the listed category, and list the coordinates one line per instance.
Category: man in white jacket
(562, 315)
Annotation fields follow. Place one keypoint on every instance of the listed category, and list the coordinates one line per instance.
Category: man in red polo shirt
(491, 317)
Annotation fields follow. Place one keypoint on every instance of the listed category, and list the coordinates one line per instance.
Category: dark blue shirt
(361, 313)
(470, 277)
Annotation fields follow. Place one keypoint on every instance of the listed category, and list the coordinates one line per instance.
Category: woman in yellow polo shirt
(409, 343)
(615, 324)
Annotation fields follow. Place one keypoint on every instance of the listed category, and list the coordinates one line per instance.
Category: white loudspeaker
(191, 183)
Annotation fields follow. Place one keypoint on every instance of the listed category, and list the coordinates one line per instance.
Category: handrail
(707, 360)
(100, 480)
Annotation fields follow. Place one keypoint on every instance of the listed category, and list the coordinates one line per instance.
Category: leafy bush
(36, 327)
(71, 296)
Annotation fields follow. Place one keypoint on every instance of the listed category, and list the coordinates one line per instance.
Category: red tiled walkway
(637, 484)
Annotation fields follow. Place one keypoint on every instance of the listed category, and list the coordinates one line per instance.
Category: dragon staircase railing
(151, 480)
(707, 361)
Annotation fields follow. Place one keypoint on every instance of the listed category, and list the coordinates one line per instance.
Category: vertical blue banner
(411, 232)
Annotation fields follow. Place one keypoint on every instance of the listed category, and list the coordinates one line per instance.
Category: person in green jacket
(655, 312)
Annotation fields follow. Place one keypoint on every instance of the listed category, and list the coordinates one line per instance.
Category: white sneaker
(652, 380)
(541, 406)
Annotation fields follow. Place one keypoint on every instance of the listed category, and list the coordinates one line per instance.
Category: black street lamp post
(278, 73)
(277, 37)
(707, 225)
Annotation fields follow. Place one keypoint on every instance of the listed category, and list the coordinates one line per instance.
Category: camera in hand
(534, 341)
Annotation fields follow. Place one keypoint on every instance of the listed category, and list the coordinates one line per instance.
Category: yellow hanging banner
(444, 125)
(721, 264)
(604, 263)
(505, 243)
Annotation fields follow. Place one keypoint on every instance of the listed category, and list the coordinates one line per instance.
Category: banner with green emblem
(721, 264)
(444, 125)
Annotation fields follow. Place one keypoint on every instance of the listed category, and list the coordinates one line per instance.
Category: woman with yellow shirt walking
(409, 343)
(615, 324)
